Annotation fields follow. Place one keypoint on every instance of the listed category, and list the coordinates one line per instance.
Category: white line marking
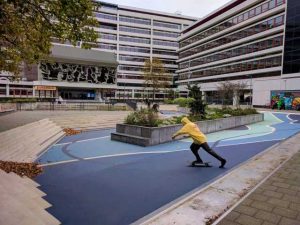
(252, 142)
(85, 140)
(114, 155)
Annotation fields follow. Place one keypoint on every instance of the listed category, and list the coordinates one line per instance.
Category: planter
(148, 136)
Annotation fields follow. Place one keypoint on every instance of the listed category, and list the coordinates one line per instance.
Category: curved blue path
(112, 183)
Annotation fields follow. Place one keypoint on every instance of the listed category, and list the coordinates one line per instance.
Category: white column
(7, 90)
(132, 92)
(236, 99)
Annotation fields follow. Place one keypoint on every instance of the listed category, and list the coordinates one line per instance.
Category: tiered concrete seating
(21, 202)
(25, 143)
(93, 121)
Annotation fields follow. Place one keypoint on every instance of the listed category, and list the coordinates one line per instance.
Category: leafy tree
(27, 26)
(197, 106)
(155, 75)
(231, 91)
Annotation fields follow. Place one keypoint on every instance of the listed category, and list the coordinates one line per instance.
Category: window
(272, 4)
(258, 10)
(252, 13)
(265, 7)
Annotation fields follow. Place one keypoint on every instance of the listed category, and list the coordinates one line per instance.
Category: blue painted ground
(99, 181)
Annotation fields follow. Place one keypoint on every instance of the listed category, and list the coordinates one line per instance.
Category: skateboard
(197, 164)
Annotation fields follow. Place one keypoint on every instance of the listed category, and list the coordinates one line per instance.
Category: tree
(27, 27)
(197, 106)
(231, 91)
(155, 75)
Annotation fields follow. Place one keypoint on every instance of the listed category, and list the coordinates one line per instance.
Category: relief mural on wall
(78, 73)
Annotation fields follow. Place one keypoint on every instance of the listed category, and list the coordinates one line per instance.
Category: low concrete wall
(72, 106)
(147, 136)
(7, 107)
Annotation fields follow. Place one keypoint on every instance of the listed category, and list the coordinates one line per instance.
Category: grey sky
(197, 8)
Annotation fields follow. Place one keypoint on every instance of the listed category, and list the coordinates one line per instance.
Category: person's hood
(185, 121)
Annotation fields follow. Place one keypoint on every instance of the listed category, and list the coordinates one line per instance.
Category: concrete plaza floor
(274, 201)
(131, 181)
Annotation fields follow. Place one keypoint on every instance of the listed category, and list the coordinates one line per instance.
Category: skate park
(119, 183)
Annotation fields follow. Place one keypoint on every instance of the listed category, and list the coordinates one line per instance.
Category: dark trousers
(195, 148)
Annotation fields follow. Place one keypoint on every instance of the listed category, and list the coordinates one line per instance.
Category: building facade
(130, 34)
(255, 42)
(136, 35)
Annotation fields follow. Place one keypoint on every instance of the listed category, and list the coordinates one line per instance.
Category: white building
(251, 41)
(131, 34)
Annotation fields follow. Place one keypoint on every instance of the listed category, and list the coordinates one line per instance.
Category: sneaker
(223, 162)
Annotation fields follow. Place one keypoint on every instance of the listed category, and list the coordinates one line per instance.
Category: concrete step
(131, 139)
(25, 127)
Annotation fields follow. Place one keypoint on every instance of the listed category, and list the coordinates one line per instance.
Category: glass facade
(134, 49)
(166, 43)
(292, 39)
(258, 28)
(164, 52)
(167, 25)
(246, 49)
(128, 19)
(106, 16)
(234, 68)
(135, 30)
(165, 34)
(134, 39)
(234, 21)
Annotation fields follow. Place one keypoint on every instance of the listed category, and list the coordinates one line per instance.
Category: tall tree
(155, 75)
(197, 106)
(231, 91)
(27, 26)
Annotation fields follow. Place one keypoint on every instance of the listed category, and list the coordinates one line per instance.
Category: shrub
(183, 102)
(236, 112)
(143, 117)
(169, 101)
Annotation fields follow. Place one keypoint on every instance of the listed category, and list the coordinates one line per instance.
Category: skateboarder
(199, 140)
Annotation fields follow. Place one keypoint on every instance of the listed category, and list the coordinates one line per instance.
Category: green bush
(143, 117)
(183, 102)
(16, 100)
(236, 112)
(169, 101)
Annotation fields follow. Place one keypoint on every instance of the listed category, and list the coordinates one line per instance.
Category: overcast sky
(197, 8)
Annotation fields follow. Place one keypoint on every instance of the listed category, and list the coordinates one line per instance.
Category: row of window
(108, 36)
(247, 49)
(266, 25)
(167, 25)
(108, 26)
(141, 69)
(164, 52)
(127, 76)
(105, 16)
(166, 34)
(135, 20)
(135, 30)
(134, 49)
(240, 67)
(135, 39)
(143, 59)
(236, 20)
(105, 46)
(165, 43)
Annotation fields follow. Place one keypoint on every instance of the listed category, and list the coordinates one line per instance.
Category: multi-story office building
(130, 34)
(136, 35)
(251, 41)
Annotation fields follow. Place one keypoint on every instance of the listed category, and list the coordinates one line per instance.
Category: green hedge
(16, 100)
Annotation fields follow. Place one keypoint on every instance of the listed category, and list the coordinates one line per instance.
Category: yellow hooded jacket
(192, 130)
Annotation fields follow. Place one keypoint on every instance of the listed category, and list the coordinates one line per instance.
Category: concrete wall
(7, 107)
(147, 136)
